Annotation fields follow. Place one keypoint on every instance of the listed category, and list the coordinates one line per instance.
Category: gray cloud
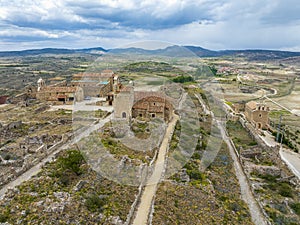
(209, 23)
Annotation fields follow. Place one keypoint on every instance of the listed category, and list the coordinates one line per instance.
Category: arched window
(123, 114)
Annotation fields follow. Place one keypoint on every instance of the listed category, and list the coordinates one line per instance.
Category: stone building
(96, 84)
(257, 114)
(58, 95)
(238, 107)
(151, 105)
(105, 84)
(139, 104)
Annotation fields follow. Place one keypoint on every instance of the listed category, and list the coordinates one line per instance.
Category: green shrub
(196, 155)
(196, 175)
(267, 177)
(183, 79)
(95, 203)
(296, 207)
(285, 190)
(7, 157)
(72, 161)
(3, 218)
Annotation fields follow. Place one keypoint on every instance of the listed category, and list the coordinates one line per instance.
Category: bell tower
(41, 84)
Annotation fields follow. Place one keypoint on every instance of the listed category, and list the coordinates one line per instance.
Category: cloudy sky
(213, 24)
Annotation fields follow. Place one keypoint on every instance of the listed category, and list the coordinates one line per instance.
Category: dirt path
(247, 195)
(37, 168)
(144, 208)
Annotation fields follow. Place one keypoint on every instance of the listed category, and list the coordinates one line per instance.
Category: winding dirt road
(147, 198)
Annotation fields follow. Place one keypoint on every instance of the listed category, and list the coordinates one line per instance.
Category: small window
(260, 115)
(140, 115)
(153, 115)
(153, 103)
(123, 114)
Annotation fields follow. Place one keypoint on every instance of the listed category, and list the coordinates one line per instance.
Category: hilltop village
(69, 145)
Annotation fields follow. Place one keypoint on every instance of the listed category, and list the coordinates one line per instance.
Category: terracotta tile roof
(60, 89)
(138, 95)
(252, 105)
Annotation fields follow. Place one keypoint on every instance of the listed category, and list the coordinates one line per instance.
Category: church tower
(41, 84)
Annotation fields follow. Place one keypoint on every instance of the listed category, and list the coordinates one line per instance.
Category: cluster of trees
(183, 79)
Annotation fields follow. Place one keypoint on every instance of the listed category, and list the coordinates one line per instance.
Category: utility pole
(279, 129)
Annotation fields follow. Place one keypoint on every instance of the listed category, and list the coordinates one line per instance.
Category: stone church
(58, 95)
(257, 114)
(141, 104)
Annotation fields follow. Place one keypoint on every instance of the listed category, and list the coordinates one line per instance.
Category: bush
(3, 218)
(296, 207)
(268, 177)
(285, 190)
(196, 175)
(95, 203)
(196, 155)
(72, 161)
(183, 79)
(7, 157)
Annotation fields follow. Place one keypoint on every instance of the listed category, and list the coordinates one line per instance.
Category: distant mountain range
(168, 51)
(44, 51)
